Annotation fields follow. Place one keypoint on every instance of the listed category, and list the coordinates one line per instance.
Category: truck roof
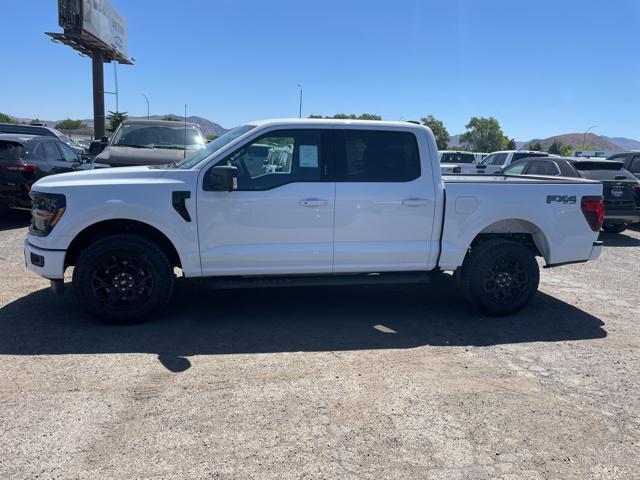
(336, 122)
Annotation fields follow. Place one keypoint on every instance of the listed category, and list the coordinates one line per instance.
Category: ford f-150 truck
(333, 202)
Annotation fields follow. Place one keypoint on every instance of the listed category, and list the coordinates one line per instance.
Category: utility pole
(300, 108)
(97, 60)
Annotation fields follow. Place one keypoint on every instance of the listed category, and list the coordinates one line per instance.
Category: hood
(102, 176)
(131, 156)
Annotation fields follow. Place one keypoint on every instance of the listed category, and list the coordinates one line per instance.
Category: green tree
(172, 118)
(35, 121)
(115, 119)
(484, 135)
(535, 146)
(350, 116)
(439, 131)
(69, 124)
(511, 144)
(4, 118)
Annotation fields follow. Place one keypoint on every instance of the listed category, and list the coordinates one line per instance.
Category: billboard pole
(98, 94)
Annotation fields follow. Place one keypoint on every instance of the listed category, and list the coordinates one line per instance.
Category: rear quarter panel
(501, 206)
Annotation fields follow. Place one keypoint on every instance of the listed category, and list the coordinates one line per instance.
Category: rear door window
(51, 151)
(499, 159)
(516, 169)
(376, 156)
(543, 167)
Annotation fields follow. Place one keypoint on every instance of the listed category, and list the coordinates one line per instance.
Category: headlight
(46, 211)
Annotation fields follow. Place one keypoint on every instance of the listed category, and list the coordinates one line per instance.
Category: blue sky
(540, 67)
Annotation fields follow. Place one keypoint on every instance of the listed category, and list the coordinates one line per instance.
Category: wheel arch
(109, 227)
(517, 230)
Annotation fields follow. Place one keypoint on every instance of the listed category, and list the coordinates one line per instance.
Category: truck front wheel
(123, 278)
(499, 277)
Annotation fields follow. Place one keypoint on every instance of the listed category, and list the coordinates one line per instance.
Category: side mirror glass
(222, 178)
(96, 147)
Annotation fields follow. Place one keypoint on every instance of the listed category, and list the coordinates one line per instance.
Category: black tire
(617, 228)
(123, 278)
(499, 277)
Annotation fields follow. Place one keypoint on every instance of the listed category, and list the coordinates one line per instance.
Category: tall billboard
(93, 25)
(104, 22)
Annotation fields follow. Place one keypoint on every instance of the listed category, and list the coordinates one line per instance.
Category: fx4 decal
(561, 199)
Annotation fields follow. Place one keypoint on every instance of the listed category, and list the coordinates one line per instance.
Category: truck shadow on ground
(204, 322)
(618, 240)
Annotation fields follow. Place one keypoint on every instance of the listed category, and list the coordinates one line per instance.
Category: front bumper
(46, 263)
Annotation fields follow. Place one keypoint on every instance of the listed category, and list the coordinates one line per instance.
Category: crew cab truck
(335, 202)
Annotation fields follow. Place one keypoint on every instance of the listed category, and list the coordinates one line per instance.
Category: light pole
(145, 97)
(584, 135)
(300, 106)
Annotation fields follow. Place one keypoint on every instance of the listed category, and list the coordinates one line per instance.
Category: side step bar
(316, 280)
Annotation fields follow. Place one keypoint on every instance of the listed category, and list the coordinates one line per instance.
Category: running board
(316, 280)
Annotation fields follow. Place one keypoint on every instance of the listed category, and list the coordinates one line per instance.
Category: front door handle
(313, 202)
(415, 202)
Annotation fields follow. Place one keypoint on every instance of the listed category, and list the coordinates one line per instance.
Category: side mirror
(223, 178)
(96, 147)
(104, 140)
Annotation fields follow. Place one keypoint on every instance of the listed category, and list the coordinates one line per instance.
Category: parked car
(24, 159)
(496, 161)
(631, 161)
(337, 202)
(454, 161)
(621, 189)
(40, 130)
(151, 142)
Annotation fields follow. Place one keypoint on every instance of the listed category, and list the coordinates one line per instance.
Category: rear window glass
(10, 151)
(458, 158)
(378, 156)
(617, 174)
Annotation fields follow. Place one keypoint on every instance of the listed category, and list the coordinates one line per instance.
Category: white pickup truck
(335, 202)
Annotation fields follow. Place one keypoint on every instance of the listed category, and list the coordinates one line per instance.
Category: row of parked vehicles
(619, 175)
(31, 152)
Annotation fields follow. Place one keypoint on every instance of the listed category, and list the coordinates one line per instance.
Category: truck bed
(526, 179)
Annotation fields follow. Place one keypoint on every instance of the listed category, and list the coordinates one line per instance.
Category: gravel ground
(325, 383)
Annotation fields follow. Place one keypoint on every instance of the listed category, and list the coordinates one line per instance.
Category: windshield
(214, 146)
(154, 135)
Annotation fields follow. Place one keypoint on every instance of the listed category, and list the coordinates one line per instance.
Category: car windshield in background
(214, 146)
(143, 135)
(458, 158)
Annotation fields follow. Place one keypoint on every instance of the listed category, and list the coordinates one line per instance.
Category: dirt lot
(331, 383)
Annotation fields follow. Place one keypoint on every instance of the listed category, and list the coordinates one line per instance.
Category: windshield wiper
(129, 145)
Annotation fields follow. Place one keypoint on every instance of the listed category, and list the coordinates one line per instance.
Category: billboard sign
(103, 21)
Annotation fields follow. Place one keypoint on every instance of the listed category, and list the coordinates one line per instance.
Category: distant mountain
(600, 142)
(596, 142)
(624, 143)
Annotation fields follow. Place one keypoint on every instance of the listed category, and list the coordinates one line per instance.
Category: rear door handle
(415, 202)
(313, 202)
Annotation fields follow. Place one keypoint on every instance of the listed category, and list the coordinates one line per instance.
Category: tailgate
(10, 153)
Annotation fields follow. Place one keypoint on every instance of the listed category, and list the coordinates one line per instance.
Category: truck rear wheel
(499, 277)
(123, 278)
